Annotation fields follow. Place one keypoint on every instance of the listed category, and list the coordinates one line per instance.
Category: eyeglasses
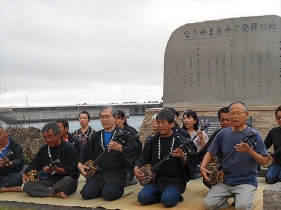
(105, 116)
(278, 118)
(238, 114)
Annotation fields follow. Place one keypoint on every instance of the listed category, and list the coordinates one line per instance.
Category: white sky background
(56, 52)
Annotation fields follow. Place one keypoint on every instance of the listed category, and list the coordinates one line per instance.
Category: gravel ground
(32, 206)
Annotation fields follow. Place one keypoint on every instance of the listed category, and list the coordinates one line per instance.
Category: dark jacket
(16, 158)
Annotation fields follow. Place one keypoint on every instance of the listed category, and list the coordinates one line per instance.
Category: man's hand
(3, 162)
(243, 147)
(178, 153)
(48, 169)
(205, 173)
(138, 174)
(24, 178)
(83, 169)
(113, 145)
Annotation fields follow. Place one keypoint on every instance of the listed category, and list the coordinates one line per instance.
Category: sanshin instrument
(217, 174)
(270, 158)
(147, 170)
(92, 166)
(34, 175)
(6, 157)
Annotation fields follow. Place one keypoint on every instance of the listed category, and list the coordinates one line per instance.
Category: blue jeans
(273, 174)
(150, 195)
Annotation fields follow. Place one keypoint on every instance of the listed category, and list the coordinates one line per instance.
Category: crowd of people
(114, 157)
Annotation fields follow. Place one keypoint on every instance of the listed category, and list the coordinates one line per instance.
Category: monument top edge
(234, 18)
(242, 18)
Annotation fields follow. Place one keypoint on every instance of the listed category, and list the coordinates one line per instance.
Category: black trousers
(45, 188)
(12, 180)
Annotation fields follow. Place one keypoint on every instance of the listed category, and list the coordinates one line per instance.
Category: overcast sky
(69, 52)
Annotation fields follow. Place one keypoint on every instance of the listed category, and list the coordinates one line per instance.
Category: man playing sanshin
(241, 169)
(59, 180)
(10, 165)
(173, 174)
(110, 178)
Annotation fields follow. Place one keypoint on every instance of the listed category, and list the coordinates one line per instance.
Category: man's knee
(206, 205)
(87, 193)
(170, 197)
(27, 186)
(85, 196)
(242, 206)
(169, 202)
(12, 180)
(270, 179)
(143, 199)
(209, 203)
(17, 179)
(112, 192)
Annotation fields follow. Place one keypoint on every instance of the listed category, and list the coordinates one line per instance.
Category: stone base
(272, 197)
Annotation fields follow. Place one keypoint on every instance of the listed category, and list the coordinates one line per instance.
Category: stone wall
(263, 118)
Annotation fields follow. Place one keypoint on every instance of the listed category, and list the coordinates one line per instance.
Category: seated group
(171, 156)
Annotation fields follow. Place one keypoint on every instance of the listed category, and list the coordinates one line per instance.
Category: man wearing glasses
(111, 150)
(273, 173)
(241, 168)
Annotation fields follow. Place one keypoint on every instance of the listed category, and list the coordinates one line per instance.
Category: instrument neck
(274, 153)
(245, 140)
(164, 159)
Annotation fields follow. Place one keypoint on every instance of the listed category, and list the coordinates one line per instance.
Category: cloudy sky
(67, 52)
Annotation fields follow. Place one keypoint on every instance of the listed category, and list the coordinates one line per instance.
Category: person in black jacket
(173, 174)
(273, 173)
(177, 128)
(153, 128)
(121, 122)
(65, 136)
(11, 161)
(112, 150)
(60, 179)
(224, 121)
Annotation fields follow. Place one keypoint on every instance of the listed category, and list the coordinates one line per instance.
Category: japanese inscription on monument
(214, 63)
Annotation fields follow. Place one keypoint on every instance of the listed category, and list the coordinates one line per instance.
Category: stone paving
(33, 206)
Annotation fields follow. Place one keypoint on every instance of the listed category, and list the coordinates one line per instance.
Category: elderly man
(241, 169)
(118, 148)
(11, 161)
(56, 163)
